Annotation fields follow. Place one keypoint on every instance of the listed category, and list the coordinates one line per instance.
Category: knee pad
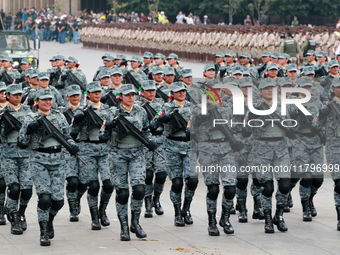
(229, 192)
(14, 191)
(44, 201)
(256, 182)
(93, 188)
(293, 182)
(149, 177)
(317, 182)
(284, 185)
(242, 183)
(26, 194)
(268, 188)
(337, 186)
(72, 184)
(177, 185)
(57, 204)
(306, 182)
(122, 196)
(191, 183)
(82, 187)
(2, 185)
(108, 186)
(138, 192)
(213, 191)
(161, 177)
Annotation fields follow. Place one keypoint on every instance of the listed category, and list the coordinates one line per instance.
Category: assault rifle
(126, 128)
(54, 76)
(130, 79)
(49, 131)
(74, 80)
(94, 121)
(11, 123)
(6, 78)
(178, 122)
(309, 120)
(68, 115)
(149, 110)
(109, 98)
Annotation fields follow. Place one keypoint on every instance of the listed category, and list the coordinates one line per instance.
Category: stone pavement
(317, 237)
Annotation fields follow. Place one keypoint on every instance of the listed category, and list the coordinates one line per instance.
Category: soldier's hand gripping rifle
(94, 121)
(11, 123)
(126, 128)
(49, 131)
(6, 78)
(54, 76)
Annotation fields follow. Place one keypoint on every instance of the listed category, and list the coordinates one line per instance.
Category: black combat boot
(290, 200)
(186, 212)
(306, 216)
(212, 229)
(22, 217)
(258, 212)
(78, 205)
(104, 220)
(50, 227)
(311, 205)
(44, 240)
(268, 221)
(148, 207)
(158, 208)
(73, 210)
(95, 225)
(232, 210)
(2, 214)
(178, 215)
(135, 227)
(338, 213)
(278, 219)
(15, 224)
(124, 228)
(225, 222)
(242, 217)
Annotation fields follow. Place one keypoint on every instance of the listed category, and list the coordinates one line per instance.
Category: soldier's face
(275, 60)
(44, 104)
(169, 78)
(159, 61)
(33, 80)
(117, 79)
(119, 61)
(310, 58)
(219, 59)
(272, 73)
(172, 61)
(267, 93)
(244, 61)
(238, 76)
(53, 63)
(291, 74)
(95, 96)
(334, 70)
(179, 95)
(309, 88)
(60, 62)
(14, 42)
(244, 91)
(147, 60)
(282, 61)
(134, 64)
(74, 100)
(43, 83)
(322, 59)
(129, 99)
(187, 80)
(149, 94)
(310, 75)
(229, 59)
(71, 64)
(265, 59)
(158, 77)
(109, 63)
(210, 74)
(2, 96)
(6, 64)
(14, 99)
(25, 66)
(336, 91)
(106, 81)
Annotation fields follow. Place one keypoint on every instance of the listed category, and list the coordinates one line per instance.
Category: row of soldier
(201, 43)
(113, 149)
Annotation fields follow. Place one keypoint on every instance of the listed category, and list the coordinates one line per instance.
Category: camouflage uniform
(2, 178)
(16, 166)
(177, 152)
(95, 154)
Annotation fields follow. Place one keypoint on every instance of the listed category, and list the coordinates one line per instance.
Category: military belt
(54, 149)
(271, 139)
(181, 139)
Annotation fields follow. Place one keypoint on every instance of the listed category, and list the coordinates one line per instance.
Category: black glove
(153, 145)
(222, 72)
(34, 125)
(111, 124)
(150, 76)
(77, 118)
(63, 77)
(21, 145)
(165, 118)
(59, 86)
(291, 135)
(103, 99)
(74, 149)
(324, 111)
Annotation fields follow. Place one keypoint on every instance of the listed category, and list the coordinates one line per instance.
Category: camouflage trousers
(271, 159)
(311, 156)
(177, 156)
(48, 173)
(333, 162)
(130, 163)
(17, 171)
